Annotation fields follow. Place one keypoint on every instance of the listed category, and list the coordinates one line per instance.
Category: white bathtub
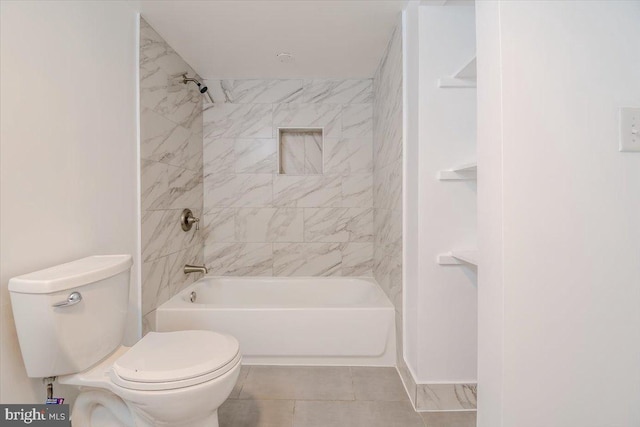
(291, 320)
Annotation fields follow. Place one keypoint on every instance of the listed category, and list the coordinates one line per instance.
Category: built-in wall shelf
(464, 78)
(466, 172)
(458, 257)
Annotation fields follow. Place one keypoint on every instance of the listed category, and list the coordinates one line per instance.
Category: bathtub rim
(176, 302)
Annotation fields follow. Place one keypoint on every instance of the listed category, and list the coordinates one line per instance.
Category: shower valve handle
(187, 219)
(193, 220)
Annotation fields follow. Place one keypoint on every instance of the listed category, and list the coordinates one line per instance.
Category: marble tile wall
(387, 175)
(262, 223)
(171, 170)
(301, 152)
(446, 397)
(387, 185)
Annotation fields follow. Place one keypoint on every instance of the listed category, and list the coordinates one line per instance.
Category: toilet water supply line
(50, 399)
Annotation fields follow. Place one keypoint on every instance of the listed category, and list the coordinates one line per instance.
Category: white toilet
(70, 321)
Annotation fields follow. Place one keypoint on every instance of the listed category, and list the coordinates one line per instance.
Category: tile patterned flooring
(302, 396)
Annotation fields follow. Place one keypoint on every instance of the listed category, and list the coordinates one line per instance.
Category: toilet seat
(171, 360)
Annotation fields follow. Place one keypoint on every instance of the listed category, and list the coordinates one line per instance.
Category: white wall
(447, 301)
(490, 217)
(68, 152)
(411, 187)
(441, 215)
(559, 215)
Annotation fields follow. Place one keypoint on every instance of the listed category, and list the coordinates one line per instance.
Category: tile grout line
(293, 414)
(244, 382)
(353, 388)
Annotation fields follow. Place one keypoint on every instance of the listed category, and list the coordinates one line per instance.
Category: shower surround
(171, 171)
(387, 181)
(261, 223)
(221, 160)
(345, 221)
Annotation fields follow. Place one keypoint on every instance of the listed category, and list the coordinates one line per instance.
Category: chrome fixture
(188, 268)
(203, 89)
(73, 299)
(193, 296)
(187, 219)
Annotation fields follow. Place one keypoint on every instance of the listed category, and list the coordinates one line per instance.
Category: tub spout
(188, 268)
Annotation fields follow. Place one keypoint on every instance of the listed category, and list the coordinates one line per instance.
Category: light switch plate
(629, 129)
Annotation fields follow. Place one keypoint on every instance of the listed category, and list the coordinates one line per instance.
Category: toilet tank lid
(70, 275)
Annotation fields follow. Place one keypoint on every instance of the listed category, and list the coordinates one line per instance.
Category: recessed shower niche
(300, 151)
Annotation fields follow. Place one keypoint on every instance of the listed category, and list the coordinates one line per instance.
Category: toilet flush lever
(72, 299)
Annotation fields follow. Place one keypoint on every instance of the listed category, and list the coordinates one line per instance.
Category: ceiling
(241, 38)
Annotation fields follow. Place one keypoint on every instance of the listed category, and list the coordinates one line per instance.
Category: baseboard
(408, 382)
(446, 397)
(438, 397)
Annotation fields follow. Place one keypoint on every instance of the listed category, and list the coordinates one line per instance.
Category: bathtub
(291, 320)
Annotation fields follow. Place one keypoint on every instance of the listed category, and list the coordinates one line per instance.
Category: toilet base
(112, 406)
(97, 408)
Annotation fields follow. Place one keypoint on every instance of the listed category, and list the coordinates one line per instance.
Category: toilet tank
(79, 331)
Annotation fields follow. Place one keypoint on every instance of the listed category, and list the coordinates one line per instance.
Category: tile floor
(301, 396)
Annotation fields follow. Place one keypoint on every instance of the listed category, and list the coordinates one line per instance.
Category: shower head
(203, 89)
(186, 80)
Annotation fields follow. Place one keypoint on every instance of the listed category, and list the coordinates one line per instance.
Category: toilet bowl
(70, 324)
(166, 379)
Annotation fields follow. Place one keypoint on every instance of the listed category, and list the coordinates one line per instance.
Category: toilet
(70, 321)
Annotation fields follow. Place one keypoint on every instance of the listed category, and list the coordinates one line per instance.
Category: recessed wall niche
(300, 151)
